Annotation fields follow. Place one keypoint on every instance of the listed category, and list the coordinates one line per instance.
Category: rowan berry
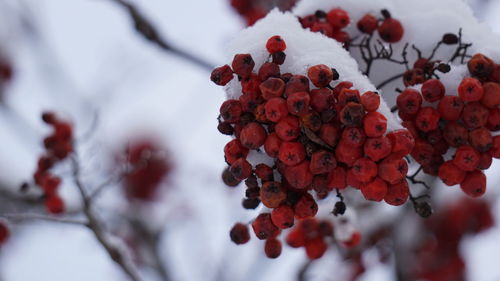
(234, 150)
(292, 153)
(432, 168)
(268, 70)
(397, 194)
(272, 87)
(494, 120)
(338, 18)
(278, 58)
(422, 152)
(299, 176)
(480, 66)
(391, 30)
(250, 203)
(347, 154)
(433, 90)
(491, 95)
(275, 44)
(264, 172)
(264, 228)
(54, 204)
(393, 169)
(474, 184)
(480, 139)
(470, 89)
(368, 24)
(450, 108)
(337, 178)
(321, 99)
(353, 136)
(370, 101)
(352, 115)
(330, 134)
(239, 234)
(231, 111)
(402, 141)
(455, 134)
(495, 149)
(225, 128)
(275, 109)
(272, 194)
(272, 248)
(243, 65)
(241, 169)
(353, 241)
(322, 162)
(295, 238)
(288, 128)
(374, 190)
(311, 121)
(323, 28)
(283, 216)
(413, 77)
(475, 115)
(377, 148)
(319, 185)
(374, 124)
(485, 161)
(253, 135)
(229, 179)
(364, 169)
(352, 180)
(50, 184)
(347, 95)
(315, 248)
(450, 174)
(306, 207)
(222, 75)
(296, 83)
(320, 75)
(466, 158)
(298, 103)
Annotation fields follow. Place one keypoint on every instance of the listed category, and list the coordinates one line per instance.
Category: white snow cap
(304, 49)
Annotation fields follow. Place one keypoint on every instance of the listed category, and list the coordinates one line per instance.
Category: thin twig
(95, 225)
(389, 80)
(301, 276)
(145, 27)
(415, 181)
(30, 216)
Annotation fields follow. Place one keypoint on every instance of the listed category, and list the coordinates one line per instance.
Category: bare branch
(30, 216)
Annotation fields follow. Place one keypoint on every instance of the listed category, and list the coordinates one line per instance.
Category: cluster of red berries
(321, 139)
(253, 10)
(331, 24)
(58, 145)
(4, 232)
(464, 122)
(438, 254)
(148, 167)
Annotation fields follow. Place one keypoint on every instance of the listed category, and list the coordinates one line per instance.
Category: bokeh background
(83, 59)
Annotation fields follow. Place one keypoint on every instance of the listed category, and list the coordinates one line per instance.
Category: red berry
(306, 207)
(353, 136)
(495, 149)
(278, 58)
(298, 103)
(393, 169)
(450, 174)
(455, 134)
(275, 44)
(230, 111)
(427, 119)
(370, 101)
(352, 180)
(272, 248)
(347, 95)
(352, 115)
(433, 90)
(50, 184)
(378, 148)
(450, 108)
(272, 88)
(268, 70)
(466, 158)
(337, 178)
(368, 24)
(347, 154)
(480, 66)
(253, 135)
(338, 18)
(322, 162)
(243, 65)
(297, 83)
(299, 176)
(329, 134)
(475, 115)
(353, 241)
(491, 96)
(292, 153)
(295, 238)
(283, 216)
(494, 120)
(276, 108)
(239, 234)
(480, 139)
(402, 142)
(234, 150)
(323, 28)
(321, 99)
(364, 170)
(222, 75)
(391, 30)
(320, 75)
(54, 204)
(272, 194)
(374, 190)
(4, 233)
(272, 145)
(288, 128)
(315, 248)
(264, 172)
(409, 101)
(341, 36)
(422, 152)
(241, 169)
(397, 194)
(474, 184)
(375, 124)
(264, 228)
(470, 89)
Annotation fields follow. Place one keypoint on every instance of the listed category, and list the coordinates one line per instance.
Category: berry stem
(415, 181)
(144, 27)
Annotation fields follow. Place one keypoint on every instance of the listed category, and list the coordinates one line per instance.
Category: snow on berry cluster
(441, 121)
(300, 99)
(253, 10)
(58, 145)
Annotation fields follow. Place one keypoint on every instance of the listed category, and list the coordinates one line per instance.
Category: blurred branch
(28, 216)
(95, 225)
(301, 275)
(145, 27)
